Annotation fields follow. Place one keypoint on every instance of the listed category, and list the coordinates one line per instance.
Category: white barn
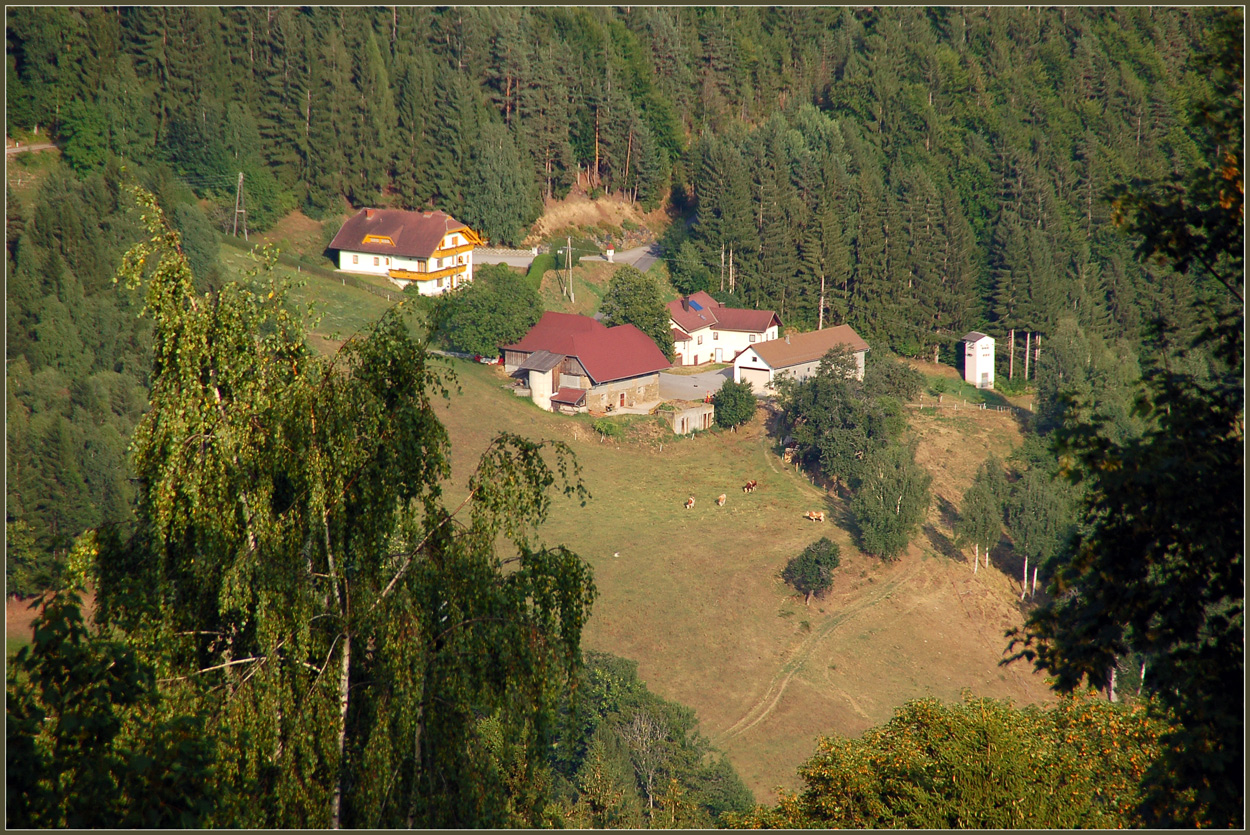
(979, 359)
(796, 355)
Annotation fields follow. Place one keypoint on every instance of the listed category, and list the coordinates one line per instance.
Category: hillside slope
(695, 597)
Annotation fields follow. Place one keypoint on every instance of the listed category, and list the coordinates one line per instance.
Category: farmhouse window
(440, 283)
(700, 340)
(388, 260)
(715, 335)
(460, 260)
(752, 338)
(355, 259)
(375, 260)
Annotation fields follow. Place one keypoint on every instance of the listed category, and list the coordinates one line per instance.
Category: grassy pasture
(694, 596)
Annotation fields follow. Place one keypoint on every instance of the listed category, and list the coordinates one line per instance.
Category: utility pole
(239, 209)
(1027, 338)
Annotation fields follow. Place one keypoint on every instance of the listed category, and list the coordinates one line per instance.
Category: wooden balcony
(409, 275)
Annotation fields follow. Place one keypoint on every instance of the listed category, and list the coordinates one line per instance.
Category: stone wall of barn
(645, 389)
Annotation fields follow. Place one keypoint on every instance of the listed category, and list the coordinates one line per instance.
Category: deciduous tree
(735, 403)
(293, 565)
(891, 501)
(634, 298)
(811, 572)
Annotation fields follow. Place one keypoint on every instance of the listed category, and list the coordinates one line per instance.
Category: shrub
(811, 572)
(608, 428)
(735, 404)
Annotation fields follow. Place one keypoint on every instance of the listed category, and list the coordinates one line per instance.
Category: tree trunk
(1027, 336)
(629, 147)
(595, 176)
(336, 803)
(820, 324)
(1024, 580)
(1011, 357)
(807, 599)
(976, 557)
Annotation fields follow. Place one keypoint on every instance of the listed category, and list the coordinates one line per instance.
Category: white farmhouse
(432, 249)
(979, 359)
(706, 331)
(797, 355)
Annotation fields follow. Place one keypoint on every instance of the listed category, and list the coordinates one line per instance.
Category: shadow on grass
(942, 544)
(948, 513)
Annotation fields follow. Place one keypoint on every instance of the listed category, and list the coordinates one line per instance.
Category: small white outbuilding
(979, 359)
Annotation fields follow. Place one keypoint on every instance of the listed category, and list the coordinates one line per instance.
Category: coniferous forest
(1072, 176)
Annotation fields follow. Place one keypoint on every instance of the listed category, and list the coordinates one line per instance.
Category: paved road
(20, 149)
(522, 261)
(641, 257)
(693, 386)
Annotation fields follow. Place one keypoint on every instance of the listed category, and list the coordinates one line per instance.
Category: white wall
(364, 265)
(540, 388)
(978, 360)
(687, 351)
(731, 343)
(757, 372)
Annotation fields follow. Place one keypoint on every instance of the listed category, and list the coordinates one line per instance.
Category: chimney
(369, 214)
(787, 339)
(685, 303)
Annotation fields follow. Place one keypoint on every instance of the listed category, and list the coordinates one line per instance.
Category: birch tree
(294, 572)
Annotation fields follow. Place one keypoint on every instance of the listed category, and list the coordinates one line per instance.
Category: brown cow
(750, 486)
(815, 515)
(690, 503)
(720, 500)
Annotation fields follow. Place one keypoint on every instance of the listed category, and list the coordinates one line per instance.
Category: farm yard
(695, 597)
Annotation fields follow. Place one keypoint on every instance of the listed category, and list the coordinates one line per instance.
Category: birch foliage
(294, 568)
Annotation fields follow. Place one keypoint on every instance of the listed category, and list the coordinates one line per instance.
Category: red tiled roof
(751, 321)
(606, 353)
(680, 336)
(415, 234)
(717, 316)
(554, 332)
(805, 347)
(689, 319)
(571, 396)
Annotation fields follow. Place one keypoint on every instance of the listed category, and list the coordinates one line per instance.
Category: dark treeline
(926, 171)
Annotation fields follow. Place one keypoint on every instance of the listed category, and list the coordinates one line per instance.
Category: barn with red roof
(573, 363)
(704, 330)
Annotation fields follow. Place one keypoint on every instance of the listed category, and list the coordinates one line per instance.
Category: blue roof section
(694, 304)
